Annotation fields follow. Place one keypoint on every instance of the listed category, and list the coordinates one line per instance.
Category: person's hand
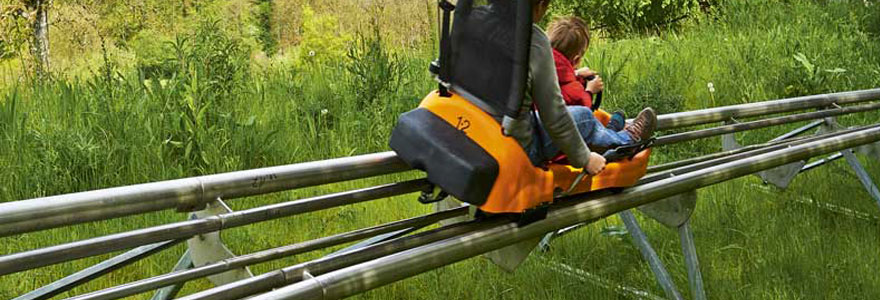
(584, 72)
(596, 164)
(596, 85)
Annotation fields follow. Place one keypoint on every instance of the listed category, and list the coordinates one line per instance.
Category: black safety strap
(627, 151)
(445, 46)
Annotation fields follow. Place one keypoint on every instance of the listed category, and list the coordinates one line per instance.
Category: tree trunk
(40, 43)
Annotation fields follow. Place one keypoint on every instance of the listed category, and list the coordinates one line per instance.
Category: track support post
(169, 292)
(862, 174)
(675, 213)
(853, 161)
(691, 261)
(648, 253)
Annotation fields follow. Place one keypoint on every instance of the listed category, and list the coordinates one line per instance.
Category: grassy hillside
(205, 87)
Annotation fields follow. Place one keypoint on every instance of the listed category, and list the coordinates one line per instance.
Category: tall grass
(747, 51)
(200, 101)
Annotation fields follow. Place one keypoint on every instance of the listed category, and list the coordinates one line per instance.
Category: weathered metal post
(657, 267)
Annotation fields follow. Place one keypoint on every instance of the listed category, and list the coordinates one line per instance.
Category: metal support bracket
(728, 141)
(510, 257)
(209, 248)
(672, 212)
(780, 176)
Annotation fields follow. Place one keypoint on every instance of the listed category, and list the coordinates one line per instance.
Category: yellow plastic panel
(519, 185)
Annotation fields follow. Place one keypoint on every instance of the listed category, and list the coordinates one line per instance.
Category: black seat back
(490, 50)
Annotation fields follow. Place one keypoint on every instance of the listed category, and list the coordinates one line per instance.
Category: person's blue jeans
(542, 148)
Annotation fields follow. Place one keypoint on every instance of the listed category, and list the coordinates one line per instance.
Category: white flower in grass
(312, 53)
(711, 87)
(324, 111)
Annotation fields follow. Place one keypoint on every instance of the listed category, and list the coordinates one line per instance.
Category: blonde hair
(569, 35)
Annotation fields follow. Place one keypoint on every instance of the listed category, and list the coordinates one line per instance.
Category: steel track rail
(617, 202)
(709, 161)
(160, 281)
(105, 244)
(193, 193)
(45, 256)
(186, 194)
(724, 113)
(726, 129)
(387, 269)
(787, 138)
(75, 250)
(267, 281)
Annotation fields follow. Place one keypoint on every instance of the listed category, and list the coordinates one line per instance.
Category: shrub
(264, 23)
(621, 16)
(807, 78)
(154, 56)
(5, 50)
(221, 58)
(373, 70)
(321, 40)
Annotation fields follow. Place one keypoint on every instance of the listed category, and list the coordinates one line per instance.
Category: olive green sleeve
(551, 108)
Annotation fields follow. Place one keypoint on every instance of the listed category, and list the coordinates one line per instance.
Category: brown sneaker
(643, 126)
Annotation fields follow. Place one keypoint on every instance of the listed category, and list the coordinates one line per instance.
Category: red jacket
(573, 91)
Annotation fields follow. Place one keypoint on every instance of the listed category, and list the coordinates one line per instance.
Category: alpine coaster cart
(456, 136)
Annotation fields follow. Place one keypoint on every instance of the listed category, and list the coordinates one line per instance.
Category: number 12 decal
(463, 124)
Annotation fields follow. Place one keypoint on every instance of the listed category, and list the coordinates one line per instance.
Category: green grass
(216, 108)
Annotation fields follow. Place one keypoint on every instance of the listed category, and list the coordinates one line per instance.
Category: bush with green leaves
(618, 17)
(6, 50)
(321, 41)
(374, 70)
(153, 54)
(263, 16)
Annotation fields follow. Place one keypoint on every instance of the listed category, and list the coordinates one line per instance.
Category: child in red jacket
(570, 38)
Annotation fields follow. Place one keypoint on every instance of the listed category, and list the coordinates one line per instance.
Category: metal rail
(186, 194)
(775, 142)
(258, 211)
(736, 155)
(719, 114)
(60, 253)
(296, 273)
(378, 272)
(50, 290)
(153, 283)
(720, 130)
(193, 193)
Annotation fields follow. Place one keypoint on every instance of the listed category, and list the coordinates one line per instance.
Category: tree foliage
(12, 37)
(619, 17)
(321, 40)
